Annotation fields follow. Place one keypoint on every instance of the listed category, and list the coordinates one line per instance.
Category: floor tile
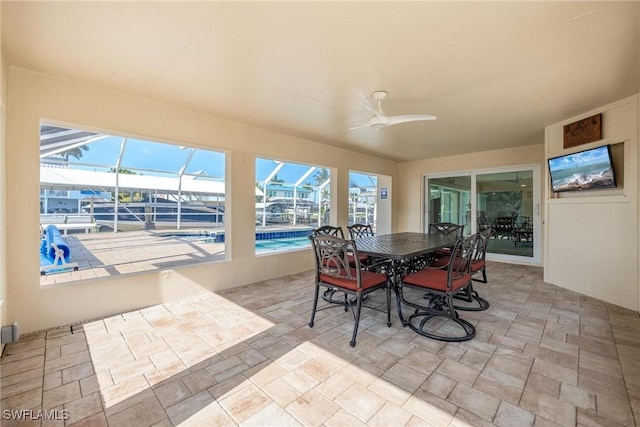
(391, 392)
(390, 415)
(84, 408)
(577, 397)
(549, 407)
(509, 415)
(60, 395)
(542, 356)
(147, 412)
(430, 408)
(343, 418)
(312, 409)
(272, 415)
(459, 372)
(405, 377)
(360, 402)
(245, 403)
(474, 401)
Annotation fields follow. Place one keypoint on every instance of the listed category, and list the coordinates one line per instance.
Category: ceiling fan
(379, 120)
(516, 179)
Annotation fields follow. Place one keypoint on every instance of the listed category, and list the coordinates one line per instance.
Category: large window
(122, 205)
(291, 200)
(363, 199)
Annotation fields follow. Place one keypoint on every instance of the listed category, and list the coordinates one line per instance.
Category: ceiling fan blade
(394, 120)
(358, 126)
(367, 104)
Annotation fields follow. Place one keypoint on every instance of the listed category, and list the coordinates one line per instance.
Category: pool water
(200, 237)
(272, 245)
(262, 245)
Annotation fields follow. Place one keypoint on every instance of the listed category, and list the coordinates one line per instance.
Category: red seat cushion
(477, 266)
(436, 279)
(331, 262)
(352, 259)
(369, 279)
(440, 262)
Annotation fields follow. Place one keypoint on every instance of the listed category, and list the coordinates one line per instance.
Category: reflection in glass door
(450, 201)
(507, 200)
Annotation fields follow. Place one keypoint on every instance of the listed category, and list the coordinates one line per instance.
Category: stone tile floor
(543, 356)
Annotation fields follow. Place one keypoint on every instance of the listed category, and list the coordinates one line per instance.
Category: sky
(596, 155)
(140, 154)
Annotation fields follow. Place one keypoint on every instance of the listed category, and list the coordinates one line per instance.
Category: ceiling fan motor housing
(379, 95)
(377, 122)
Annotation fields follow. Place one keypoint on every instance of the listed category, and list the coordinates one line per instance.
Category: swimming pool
(286, 244)
(279, 241)
(197, 237)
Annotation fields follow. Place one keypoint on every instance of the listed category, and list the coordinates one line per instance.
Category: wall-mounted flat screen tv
(586, 170)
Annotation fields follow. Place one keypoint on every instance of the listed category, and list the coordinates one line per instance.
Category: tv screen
(586, 170)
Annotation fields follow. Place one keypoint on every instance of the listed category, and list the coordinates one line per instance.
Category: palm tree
(74, 152)
(321, 176)
(276, 181)
(260, 187)
(123, 171)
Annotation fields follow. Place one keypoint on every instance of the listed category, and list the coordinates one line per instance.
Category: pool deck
(111, 254)
(108, 254)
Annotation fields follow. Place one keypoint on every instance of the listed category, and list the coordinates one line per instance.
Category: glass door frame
(537, 209)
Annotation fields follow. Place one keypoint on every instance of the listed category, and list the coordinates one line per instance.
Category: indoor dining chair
(472, 301)
(329, 230)
(446, 229)
(334, 271)
(357, 231)
(441, 285)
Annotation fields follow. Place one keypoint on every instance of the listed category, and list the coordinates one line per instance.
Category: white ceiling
(494, 73)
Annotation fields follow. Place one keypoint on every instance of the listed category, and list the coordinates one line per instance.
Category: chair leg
(357, 320)
(399, 300)
(470, 296)
(440, 306)
(484, 276)
(328, 296)
(315, 305)
(388, 306)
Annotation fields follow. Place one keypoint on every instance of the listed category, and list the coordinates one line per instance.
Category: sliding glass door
(450, 201)
(507, 200)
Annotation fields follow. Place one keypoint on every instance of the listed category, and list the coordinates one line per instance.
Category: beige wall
(35, 96)
(3, 225)
(410, 193)
(592, 237)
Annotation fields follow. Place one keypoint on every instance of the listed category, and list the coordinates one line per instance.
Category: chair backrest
(446, 228)
(525, 223)
(357, 231)
(337, 258)
(460, 264)
(328, 230)
(504, 223)
(482, 242)
(483, 223)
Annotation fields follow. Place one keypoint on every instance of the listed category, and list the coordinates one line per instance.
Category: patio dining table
(400, 248)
